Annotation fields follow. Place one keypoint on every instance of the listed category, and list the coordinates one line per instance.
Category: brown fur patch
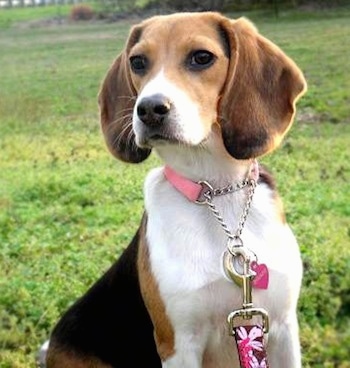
(163, 330)
(64, 359)
(267, 178)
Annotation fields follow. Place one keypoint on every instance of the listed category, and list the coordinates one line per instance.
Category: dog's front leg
(188, 352)
(283, 346)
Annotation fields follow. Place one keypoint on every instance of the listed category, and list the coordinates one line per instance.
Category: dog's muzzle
(156, 121)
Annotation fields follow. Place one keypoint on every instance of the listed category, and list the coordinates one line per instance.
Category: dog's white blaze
(188, 125)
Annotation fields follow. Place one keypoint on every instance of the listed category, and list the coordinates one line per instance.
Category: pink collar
(194, 190)
(190, 189)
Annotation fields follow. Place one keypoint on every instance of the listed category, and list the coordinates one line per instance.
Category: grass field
(67, 208)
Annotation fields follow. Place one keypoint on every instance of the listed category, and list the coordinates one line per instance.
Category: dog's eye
(201, 59)
(138, 63)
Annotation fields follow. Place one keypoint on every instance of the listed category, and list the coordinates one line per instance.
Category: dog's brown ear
(257, 106)
(116, 100)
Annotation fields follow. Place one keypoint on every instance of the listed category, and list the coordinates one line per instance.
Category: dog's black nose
(153, 110)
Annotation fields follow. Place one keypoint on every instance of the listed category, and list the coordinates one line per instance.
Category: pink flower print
(250, 338)
(247, 343)
(254, 363)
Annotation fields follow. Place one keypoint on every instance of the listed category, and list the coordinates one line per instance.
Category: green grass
(16, 15)
(67, 208)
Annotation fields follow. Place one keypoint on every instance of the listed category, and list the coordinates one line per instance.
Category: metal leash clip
(238, 257)
(244, 279)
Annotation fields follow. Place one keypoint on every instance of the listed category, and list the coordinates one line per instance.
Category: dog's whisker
(121, 119)
(131, 140)
(122, 113)
(120, 137)
(130, 98)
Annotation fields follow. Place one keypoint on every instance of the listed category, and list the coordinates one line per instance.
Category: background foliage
(67, 208)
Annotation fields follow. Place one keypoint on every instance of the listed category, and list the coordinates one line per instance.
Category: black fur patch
(266, 177)
(110, 321)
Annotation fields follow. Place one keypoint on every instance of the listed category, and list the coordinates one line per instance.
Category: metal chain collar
(229, 188)
(210, 193)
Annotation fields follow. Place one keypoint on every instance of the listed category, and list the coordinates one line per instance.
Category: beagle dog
(209, 95)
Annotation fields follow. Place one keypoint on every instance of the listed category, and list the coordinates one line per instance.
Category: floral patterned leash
(249, 338)
(250, 345)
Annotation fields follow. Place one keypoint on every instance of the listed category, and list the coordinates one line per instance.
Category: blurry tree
(200, 5)
(119, 6)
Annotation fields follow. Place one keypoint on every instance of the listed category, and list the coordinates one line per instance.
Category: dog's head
(182, 75)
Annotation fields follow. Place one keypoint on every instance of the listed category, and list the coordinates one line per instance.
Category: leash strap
(250, 346)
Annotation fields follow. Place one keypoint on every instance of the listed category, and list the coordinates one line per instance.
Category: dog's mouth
(159, 137)
(169, 133)
(156, 138)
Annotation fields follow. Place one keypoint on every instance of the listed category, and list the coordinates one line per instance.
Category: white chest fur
(186, 246)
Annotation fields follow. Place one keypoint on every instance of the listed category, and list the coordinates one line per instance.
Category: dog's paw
(41, 356)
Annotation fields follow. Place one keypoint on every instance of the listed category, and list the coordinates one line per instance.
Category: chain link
(230, 189)
(246, 209)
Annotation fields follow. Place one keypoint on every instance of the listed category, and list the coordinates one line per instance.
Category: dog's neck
(209, 162)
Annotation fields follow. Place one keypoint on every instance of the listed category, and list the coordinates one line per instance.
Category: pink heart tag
(261, 280)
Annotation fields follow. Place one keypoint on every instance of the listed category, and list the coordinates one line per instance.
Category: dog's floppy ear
(117, 99)
(257, 105)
